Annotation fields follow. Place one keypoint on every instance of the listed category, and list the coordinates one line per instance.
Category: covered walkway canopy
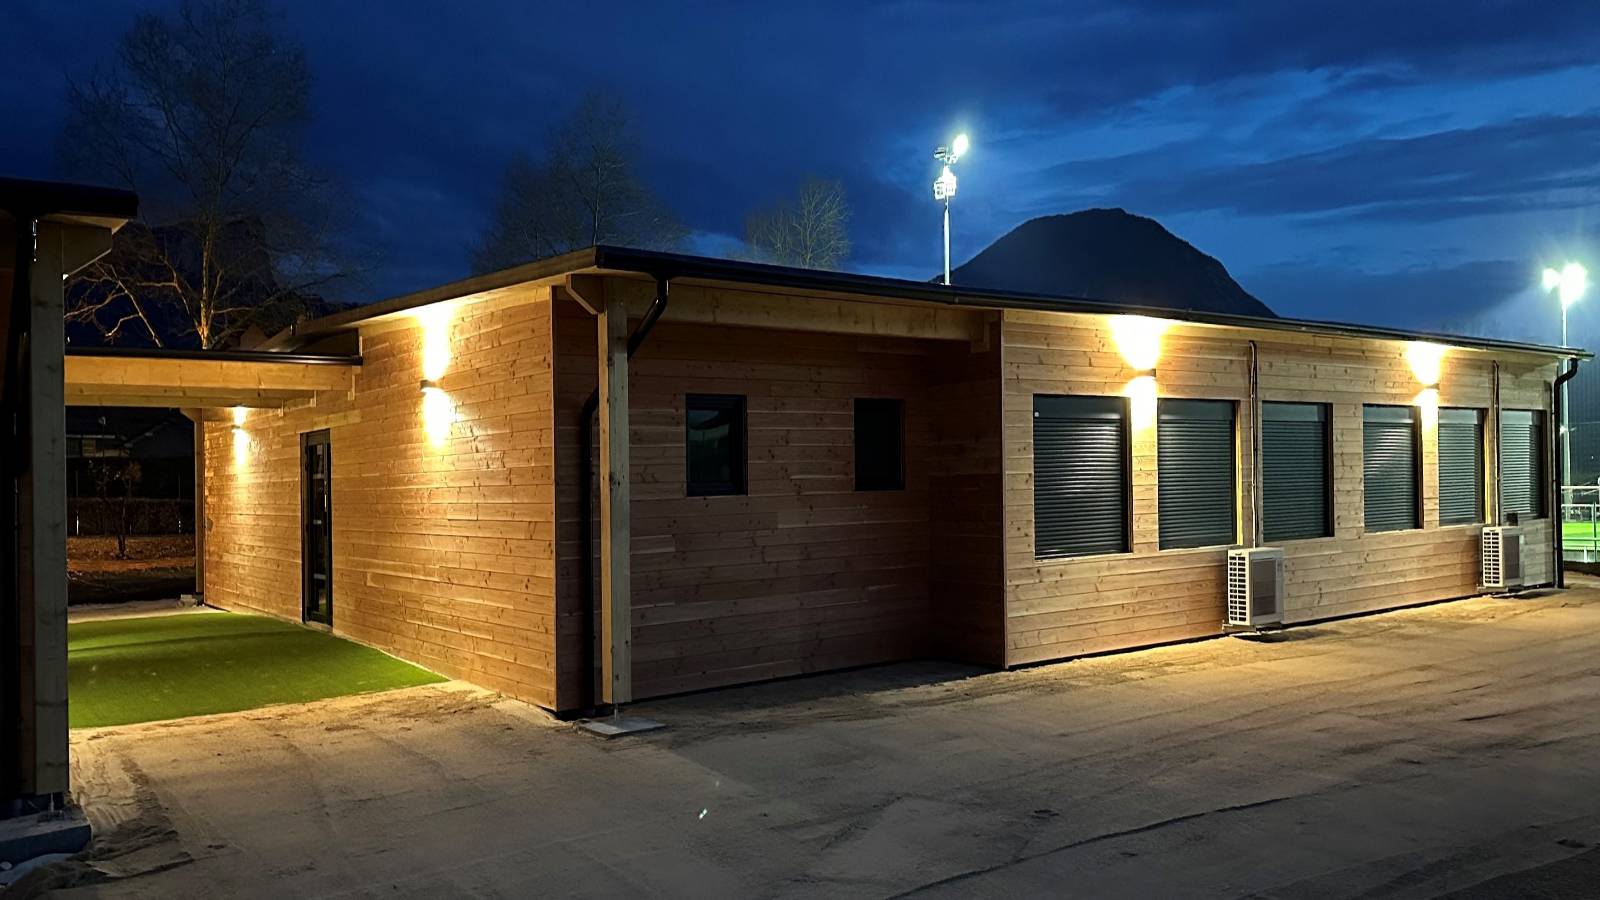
(192, 379)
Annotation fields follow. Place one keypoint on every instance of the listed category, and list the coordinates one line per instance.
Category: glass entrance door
(316, 527)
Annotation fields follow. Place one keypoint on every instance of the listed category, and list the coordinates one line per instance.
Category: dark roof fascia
(679, 266)
(263, 356)
(26, 198)
(301, 332)
(674, 265)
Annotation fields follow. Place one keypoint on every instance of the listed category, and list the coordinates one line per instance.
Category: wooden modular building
(790, 472)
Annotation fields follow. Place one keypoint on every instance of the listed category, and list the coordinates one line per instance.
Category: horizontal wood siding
(1061, 608)
(967, 581)
(1070, 607)
(804, 573)
(443, 553)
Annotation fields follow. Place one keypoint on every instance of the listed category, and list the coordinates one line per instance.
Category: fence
(1580, 522)
(88, 516)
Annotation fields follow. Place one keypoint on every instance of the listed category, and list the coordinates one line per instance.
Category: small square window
(714, 433)
(880, 445)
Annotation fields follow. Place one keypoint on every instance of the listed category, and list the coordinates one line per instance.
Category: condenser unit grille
(1255, 586)
(1500, 556)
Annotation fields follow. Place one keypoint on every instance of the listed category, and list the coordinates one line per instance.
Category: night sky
(1403, 163)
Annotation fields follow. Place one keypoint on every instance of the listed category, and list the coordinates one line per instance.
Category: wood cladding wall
(1069, 607)
(804, 573)
(443, 548)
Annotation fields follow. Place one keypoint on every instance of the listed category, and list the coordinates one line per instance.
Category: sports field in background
(122, 671)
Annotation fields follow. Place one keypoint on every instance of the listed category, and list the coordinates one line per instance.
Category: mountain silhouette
(1111, 255)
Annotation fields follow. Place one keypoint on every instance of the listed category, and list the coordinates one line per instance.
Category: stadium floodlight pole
(1569, 283)
(944, 187)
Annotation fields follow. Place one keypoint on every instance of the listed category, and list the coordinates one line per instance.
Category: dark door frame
(309, 531)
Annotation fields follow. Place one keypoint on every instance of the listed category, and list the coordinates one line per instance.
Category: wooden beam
(588, 291)
(113, 381)
(754, 309)
(616, 556)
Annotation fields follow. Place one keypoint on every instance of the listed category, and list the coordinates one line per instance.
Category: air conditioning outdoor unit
(1501, 555)
(1255, 587)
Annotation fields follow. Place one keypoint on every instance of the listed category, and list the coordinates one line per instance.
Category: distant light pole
(944, 187)
(1569, 282)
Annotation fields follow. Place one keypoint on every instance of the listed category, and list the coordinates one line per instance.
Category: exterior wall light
(1427, 361)
(1138, 339)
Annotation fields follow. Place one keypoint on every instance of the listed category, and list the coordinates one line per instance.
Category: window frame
(1125, 418)
(898, 482)
(1328, 488)
(739, 466)
(1233, 467)
(1415, 421)
(1480, 515)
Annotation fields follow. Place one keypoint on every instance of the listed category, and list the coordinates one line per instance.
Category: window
(1195, 473)
(1460, 466)
(880, 445)
(1296, 486)
(1080, 476)
(1391, 468)
(1522, 487)
(714, 444)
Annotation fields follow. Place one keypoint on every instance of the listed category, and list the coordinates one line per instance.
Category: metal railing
(1580, 522)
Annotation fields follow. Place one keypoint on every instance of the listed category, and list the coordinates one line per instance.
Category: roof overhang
(806, 284)
(186, 379)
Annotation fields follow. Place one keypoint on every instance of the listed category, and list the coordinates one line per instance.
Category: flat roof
(23, 197)
(624, 260)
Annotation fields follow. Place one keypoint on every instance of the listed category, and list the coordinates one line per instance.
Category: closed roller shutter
(1390, 466)
(1195, 473)
(1460, 466)
(1294, 471)
(1080, 476)
(1522, 462)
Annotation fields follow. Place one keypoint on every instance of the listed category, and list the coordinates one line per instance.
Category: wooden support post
(616, 607)
(198, 418)
(43, 526)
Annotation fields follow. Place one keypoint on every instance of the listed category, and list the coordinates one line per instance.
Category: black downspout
(1561, 425)
(586, 496)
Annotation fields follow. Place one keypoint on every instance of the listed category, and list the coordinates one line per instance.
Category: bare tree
(809, 231)
(201, 113)
(586, 191)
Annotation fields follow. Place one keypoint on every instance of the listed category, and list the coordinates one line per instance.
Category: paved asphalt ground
(1452, 750)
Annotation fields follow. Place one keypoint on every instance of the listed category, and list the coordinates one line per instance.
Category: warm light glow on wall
(438, 410)
(438, 415)
(1427, 360)
(1138, 339)
(1141, 394)
(435, 340)
(241, 438)
(1428, 402)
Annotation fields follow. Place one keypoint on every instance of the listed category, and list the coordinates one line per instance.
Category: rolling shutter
(1522, 462)
(1195, 473)
(1294, 471)
(1460, 466)
(1389, 464)
(1080, 476)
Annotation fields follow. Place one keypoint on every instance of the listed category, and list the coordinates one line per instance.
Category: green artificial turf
(1580, 536)
(168, 667)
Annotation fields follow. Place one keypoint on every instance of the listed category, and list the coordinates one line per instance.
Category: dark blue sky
(1403, 163)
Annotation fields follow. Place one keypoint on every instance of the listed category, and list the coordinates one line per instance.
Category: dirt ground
(1446, 751)
(157, 567)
